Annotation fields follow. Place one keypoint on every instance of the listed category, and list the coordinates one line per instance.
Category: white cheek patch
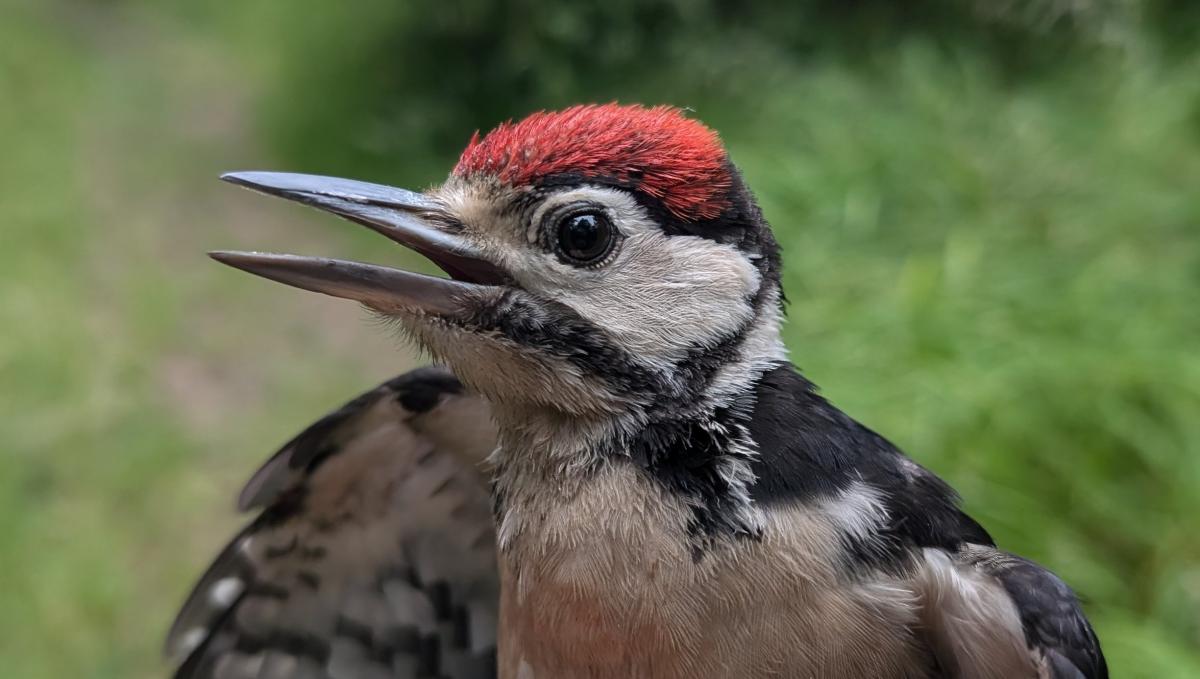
(675, 292)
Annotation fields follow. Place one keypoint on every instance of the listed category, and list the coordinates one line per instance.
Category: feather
(366, 559)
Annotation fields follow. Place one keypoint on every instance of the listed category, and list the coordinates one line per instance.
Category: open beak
(411, 219)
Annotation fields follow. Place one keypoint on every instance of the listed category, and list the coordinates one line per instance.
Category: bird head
(602, 259)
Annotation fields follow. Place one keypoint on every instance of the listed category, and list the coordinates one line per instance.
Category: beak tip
(243, 178)
(233, 258)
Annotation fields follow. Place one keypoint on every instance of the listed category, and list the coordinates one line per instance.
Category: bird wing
(1055, 628)
(989, 613)
(373, 554)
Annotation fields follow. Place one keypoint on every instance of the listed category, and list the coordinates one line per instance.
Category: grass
(999, 272)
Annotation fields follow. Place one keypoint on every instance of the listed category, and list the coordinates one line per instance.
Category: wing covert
(373, 554)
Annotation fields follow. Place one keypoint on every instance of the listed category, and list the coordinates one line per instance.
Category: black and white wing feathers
(1056, 630)
(373, 554)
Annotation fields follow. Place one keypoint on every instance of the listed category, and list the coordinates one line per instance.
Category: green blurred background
(990, 212)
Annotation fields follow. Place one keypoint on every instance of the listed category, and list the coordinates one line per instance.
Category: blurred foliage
(988, 209)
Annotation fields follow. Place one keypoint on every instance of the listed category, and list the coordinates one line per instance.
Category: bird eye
(585, 237)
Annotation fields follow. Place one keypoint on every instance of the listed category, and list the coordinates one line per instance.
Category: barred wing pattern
(373, 554)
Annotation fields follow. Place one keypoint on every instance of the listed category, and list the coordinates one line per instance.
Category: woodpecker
(617, 473)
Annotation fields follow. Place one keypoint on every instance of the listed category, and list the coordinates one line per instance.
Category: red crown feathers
(657, 151)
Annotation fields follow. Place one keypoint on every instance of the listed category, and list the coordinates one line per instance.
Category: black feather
(686, 456)
(421, 389)
(808, 449)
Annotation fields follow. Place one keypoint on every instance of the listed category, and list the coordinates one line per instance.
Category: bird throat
(694, 450)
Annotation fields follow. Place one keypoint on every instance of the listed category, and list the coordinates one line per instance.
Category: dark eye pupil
(585, 237)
